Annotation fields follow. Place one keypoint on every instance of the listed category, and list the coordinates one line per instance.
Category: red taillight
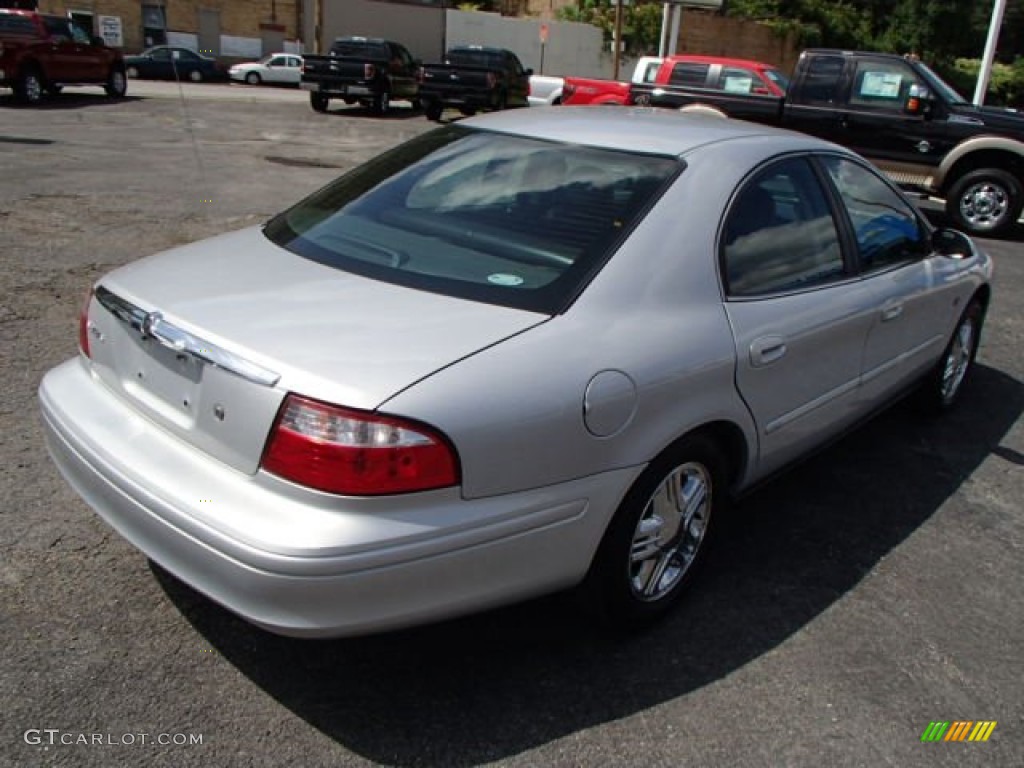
(83, 325)
(356, 453)
(369, 70)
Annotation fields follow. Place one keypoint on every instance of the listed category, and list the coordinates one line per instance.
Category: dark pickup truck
(474, 77)
(40, 54)
(367, 70)
(899, 114)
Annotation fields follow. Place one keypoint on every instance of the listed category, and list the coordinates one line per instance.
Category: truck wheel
(318, 102)
(434, 110)
(986, 202)
(117, 84)
(467, 111)
(381, 103)
(29, 85)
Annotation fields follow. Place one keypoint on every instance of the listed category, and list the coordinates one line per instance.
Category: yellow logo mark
(206, 501)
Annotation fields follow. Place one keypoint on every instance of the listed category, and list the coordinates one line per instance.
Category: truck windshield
(778, 78)
(483, 216)
(948, 92)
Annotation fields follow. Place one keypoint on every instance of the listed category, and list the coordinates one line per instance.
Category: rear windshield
(360, 49)
(468, 58)
(11, 23)
(483, 216)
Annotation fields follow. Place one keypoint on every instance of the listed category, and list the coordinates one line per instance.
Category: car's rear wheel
(986, 202)
(382, 103)
(29, 87)
(253, 78)
(318, 102)
(117, 83)
(659, 534)
(195, 76)
(946, 382)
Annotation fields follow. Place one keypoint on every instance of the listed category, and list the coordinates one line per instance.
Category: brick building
(228, 28)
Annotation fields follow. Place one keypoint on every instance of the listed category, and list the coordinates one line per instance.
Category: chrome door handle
(891, 312)
(767, 350)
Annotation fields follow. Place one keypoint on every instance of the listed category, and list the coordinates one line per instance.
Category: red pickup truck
(40, 54)
(714, 72)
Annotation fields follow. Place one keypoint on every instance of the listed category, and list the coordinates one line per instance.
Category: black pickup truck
(367, 70)
(474, 77)
(899, 114)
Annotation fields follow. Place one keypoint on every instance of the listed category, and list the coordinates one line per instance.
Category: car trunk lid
(207, 339)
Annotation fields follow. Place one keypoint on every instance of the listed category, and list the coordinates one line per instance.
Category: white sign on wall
(110, 30)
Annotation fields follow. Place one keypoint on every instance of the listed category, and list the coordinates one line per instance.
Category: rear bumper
(340, 90)
(306, 564)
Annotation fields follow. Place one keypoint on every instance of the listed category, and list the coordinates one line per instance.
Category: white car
(275, 69)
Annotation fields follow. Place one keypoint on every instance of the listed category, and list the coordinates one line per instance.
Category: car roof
(846, 53)
(633, 129)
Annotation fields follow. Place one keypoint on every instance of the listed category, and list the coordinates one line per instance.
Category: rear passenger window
(821, 82)
(888, 231)
(689, 74)
(779, 234)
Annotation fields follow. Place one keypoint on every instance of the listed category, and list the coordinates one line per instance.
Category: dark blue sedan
(165, 62)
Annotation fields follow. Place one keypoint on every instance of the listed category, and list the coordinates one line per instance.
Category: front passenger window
(888, 231)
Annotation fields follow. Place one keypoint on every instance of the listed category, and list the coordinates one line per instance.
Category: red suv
(40, 53)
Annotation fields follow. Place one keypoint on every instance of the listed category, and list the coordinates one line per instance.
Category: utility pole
(617, 38)
(990, 52)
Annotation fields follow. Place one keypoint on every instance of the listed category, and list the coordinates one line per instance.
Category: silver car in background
(527, 351)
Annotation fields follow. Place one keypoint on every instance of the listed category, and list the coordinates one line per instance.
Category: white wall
(572, 48)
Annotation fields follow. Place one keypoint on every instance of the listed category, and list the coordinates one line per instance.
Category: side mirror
(529, 72)
(919, 100)
(952, 244)
(98, 41)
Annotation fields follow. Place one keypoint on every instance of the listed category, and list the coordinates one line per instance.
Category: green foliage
(1005, 86)
(641, 23)
(937, 30)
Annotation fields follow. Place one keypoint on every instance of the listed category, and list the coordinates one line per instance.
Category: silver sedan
(516, 354)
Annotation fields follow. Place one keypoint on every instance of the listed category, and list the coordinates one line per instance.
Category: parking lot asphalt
(866, 593)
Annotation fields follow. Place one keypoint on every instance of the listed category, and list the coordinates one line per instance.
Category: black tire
(30, 85)
(350, 100)
(501, 103)
(945, 383)
(318, 101)
(621, 583)
(985, 202)
(253, 78)
(117, 83)
(415, 104)
(382, 103)
(467, 111)
(434, 110)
